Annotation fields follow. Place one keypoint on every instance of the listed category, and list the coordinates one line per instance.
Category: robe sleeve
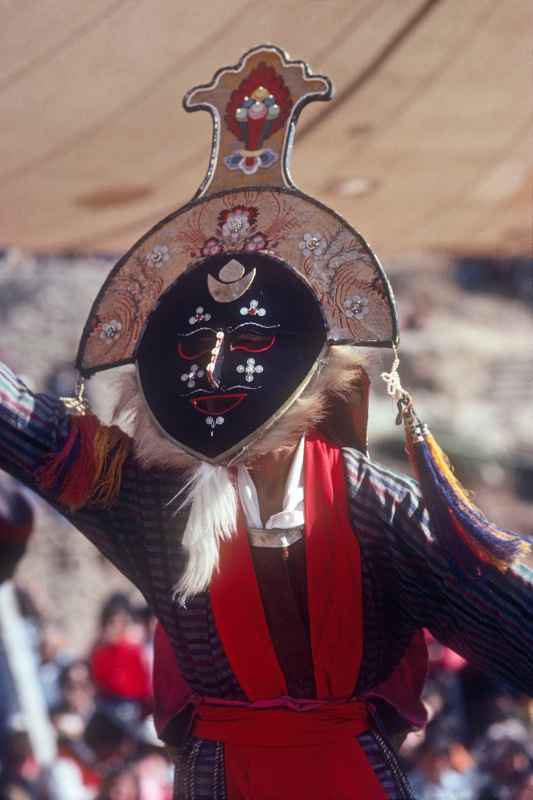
(31, 427)
(487, 619)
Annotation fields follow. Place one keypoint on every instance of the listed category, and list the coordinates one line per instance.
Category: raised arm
(56, 455)
(487, 619)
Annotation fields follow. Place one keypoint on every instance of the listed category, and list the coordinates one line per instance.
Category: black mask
(231, 343)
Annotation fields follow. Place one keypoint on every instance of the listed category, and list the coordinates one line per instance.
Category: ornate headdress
(229, 306)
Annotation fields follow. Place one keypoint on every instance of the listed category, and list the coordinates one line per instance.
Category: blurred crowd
(99, 706)
(478, 744)
(85, 730)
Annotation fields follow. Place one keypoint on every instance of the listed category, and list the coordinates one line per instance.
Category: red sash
(323, 759)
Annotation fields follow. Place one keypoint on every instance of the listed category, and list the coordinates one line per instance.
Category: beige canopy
(426, 146)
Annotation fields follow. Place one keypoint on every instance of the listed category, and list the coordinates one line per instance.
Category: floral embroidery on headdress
(158, 255)
(110, 330)
(356, 306)
(313, 244)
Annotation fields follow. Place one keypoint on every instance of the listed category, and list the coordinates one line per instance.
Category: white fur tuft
(212, 498)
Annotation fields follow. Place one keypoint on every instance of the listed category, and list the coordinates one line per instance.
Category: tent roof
(426, 146)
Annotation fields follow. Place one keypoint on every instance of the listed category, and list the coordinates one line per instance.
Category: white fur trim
(212, 498)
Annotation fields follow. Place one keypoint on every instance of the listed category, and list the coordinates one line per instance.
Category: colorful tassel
(111, 450)
(471, 540)
(88, 469)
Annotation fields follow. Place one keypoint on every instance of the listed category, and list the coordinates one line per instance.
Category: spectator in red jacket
(118, 662)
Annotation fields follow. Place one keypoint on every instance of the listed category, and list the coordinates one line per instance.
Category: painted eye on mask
(252, 342)
(195, 346)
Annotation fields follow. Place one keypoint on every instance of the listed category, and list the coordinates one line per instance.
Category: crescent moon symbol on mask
(227, 292)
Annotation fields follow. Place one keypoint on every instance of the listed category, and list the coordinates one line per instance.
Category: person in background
(54, 660)
(77, 690)
(16, 526)
(436, 776)
(122, 784)
(506, 761)
(119, 667)
(72, 775)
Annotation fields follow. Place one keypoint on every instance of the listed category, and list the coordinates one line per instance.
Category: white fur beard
(212, 498)
(210, 492)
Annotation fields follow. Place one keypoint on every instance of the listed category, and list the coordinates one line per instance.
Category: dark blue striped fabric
(406, 581)
(488, 620)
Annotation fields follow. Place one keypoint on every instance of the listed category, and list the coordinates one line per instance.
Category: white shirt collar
(292, 513)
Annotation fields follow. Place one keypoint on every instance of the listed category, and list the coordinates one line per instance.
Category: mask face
(230, 343)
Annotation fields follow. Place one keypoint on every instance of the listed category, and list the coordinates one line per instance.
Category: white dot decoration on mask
(213, 422)
(253, 310)
(194, 374)
(249, 369)
(199, 316)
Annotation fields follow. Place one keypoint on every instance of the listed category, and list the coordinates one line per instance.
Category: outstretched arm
(488, 619)
(35, 428)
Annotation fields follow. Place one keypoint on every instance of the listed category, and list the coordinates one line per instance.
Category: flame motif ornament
(257, 109)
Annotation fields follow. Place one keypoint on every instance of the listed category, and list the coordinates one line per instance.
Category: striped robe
(407, 583)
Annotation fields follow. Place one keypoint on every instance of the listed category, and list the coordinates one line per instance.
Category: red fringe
(78, 482)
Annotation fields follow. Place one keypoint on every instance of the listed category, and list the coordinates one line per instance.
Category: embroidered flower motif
(356, 307)
(256, 242)
(211, 247)
(313, 244)
(194, 374)
(110, 330)
(249, 370)
(253, 309)
(236, 226)
(213, 422)
(199, 316)
(249, 164)
(158, 255)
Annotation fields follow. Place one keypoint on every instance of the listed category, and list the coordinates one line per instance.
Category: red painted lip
(217, 404)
